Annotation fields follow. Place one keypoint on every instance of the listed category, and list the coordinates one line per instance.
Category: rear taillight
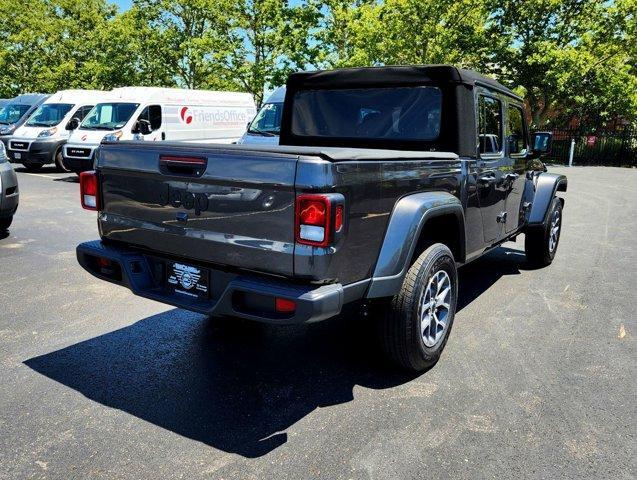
(313, 220)
(320, 219)
(338, 219)
(89, 190)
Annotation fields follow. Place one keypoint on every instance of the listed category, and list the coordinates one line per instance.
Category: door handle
(486, 180)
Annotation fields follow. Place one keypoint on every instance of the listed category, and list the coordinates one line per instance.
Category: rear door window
(489, 125)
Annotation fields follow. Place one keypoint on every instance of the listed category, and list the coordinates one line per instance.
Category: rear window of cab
(405, 113)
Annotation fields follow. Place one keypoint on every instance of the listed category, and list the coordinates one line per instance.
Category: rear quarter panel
(371, 189)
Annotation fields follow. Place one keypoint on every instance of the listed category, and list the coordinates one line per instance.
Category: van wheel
(59, 162)
(417, 323)
(540, 242)
(32, 167)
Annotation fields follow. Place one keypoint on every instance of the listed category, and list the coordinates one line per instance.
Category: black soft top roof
(392, 76)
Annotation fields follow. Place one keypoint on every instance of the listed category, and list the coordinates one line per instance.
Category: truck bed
(237, 210)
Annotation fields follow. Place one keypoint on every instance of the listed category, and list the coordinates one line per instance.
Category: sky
(123, 4)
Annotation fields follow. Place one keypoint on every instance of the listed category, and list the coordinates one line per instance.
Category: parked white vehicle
(154, 114)
(265, 128)
(40, 139)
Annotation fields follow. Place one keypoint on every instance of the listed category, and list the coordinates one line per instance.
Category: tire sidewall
(438, 257)
(556, 204)
(59, 161)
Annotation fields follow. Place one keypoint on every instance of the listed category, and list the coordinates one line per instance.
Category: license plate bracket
(188, 280)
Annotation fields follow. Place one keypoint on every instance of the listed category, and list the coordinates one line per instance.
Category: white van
(154, 114)
(265, 128)
(40, 139)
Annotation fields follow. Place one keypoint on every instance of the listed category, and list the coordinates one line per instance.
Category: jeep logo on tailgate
(179, 198)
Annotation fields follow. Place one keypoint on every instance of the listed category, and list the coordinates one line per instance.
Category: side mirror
(542, 143)
(142, 126)
(73, 124)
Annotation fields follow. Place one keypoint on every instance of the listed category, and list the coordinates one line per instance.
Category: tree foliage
(569, 58)
(406, 32)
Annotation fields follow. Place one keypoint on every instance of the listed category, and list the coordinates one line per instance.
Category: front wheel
(417, 323)
(59, 162)
(540, 242)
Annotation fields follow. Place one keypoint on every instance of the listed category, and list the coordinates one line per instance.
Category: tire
(540, 242)
(59, 162)
(5, 223)
(407, 342)
(33, 167)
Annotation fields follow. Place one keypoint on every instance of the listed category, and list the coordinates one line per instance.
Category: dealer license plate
(188, 280)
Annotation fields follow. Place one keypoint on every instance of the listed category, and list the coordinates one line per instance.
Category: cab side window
(489, 125)
(152, 113)
(82, 112)
(516, 136)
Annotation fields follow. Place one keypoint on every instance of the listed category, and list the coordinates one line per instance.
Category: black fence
(617, 148)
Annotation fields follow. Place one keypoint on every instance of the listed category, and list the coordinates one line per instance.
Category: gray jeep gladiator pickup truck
(387, 180)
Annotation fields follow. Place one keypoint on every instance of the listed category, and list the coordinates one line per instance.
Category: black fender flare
(546, 187)
(409, 216)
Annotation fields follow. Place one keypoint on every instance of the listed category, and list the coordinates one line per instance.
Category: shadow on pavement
(72, 179)
(45, 169)
(479, 275)
(237, 386)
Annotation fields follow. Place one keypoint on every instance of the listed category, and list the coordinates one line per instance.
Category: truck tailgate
(205, 202)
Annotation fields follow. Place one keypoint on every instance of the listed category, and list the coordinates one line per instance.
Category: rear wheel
(59, 161)
(540, 243)
(5, 223)
(417, 322)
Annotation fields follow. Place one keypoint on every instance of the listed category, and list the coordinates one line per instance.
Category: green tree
(187, 35)
(134, 53)
(405, 32)
(52, 45)
(265, 41)
(571, 57)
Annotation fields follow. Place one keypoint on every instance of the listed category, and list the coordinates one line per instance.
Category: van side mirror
(142, 126)
(542, 143)
(73, 124)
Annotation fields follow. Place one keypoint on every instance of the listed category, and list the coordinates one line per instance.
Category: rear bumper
(144, 275)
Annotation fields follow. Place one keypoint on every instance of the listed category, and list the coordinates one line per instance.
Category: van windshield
(109, 116)
(388, 114)
(268, 120)
(49, 114)
(12, 112)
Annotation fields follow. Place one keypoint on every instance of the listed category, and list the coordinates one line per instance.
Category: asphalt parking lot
(538, 379)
